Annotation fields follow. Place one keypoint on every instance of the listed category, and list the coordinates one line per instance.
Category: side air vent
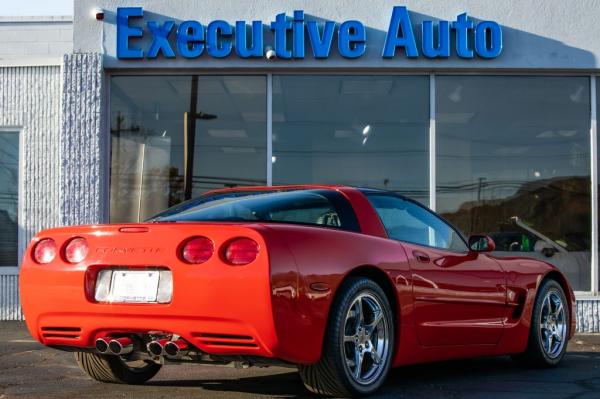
(225, 340)
(61, 332)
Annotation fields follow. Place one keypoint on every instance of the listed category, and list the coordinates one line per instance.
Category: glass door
(9, 198)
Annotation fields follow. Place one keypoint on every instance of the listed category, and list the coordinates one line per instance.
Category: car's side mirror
(481, 243)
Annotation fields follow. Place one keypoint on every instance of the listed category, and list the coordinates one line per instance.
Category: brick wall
(35, 37)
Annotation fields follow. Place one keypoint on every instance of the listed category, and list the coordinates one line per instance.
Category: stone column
(84, 153)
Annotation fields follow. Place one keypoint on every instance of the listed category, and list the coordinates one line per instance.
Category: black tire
(112, 369)
(536, 355)
(331, 376)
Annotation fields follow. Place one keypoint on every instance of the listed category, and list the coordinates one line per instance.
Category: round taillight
(76, 250)
(197, 250)
(241, 251)
(44, 251)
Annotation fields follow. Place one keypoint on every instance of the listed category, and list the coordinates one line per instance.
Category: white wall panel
(537, 34)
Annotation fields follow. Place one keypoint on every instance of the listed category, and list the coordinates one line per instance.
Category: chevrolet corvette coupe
(341, 282)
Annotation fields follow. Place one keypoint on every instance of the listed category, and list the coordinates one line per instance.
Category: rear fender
(323, 258)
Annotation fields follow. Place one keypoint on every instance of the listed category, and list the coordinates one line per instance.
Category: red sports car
(342, 282)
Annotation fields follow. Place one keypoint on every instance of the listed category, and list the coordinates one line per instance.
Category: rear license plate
(134, 286)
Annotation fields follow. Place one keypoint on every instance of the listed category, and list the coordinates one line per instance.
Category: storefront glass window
(367, 131)
(513, 162)
(9, 197)
(174, 137)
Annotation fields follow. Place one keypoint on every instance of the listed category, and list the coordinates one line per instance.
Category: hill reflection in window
(513, 162)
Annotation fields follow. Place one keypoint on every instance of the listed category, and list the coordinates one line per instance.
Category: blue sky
(35, 7)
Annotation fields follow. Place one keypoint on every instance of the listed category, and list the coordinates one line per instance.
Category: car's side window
(407, 221)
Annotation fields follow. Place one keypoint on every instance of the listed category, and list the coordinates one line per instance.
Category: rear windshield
(326, 208)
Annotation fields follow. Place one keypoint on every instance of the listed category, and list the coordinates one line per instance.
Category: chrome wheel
(553, 324)
(366, 339)
(358, 344)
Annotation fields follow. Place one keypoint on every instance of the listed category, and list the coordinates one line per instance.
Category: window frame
(377, 193)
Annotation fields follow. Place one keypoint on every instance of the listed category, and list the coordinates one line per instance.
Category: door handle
(421, 257)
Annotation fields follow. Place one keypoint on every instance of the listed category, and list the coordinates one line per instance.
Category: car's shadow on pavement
(284, 385)
(494, 377)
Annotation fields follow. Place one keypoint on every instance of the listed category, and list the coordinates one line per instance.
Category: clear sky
(35, 7)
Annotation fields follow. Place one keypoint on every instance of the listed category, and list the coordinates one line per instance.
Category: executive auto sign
(292, 35)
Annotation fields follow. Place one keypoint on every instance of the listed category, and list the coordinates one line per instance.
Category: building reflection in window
(220, 121)
(357, 130)
(513, 162)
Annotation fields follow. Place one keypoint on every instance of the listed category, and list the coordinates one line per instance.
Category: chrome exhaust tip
(120, 346)
(176, 348)
(102, 344)
(156, 348)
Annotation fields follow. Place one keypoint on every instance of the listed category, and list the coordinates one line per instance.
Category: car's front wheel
(549, 329)
(113, 369)
(359, 341)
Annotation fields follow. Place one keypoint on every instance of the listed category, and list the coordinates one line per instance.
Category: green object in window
(525, 245)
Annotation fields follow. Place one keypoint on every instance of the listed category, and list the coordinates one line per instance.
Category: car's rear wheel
(114, 369)
(549, 327)
(359, 341)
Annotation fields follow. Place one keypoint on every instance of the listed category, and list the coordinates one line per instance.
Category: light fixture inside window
(227, 133)
(576, 95)
(365, 132)
(456, 94)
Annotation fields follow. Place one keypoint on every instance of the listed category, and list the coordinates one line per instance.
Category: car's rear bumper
(217, 336)
(218, 308)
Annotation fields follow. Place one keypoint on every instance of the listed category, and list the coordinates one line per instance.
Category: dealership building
(484, 111)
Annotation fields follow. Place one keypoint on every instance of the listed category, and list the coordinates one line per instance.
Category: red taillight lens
(44, 251)
(241, 251)
(76, 250)
(197, 250)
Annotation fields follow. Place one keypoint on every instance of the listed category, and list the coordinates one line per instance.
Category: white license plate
(134, 286)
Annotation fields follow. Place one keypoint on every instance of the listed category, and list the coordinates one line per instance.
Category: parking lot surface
(29, 370)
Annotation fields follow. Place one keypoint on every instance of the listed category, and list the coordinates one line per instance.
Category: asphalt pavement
(29, 370)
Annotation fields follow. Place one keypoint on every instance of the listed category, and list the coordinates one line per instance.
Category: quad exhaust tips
(125, 345)
(165, 347)
(114, 346)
